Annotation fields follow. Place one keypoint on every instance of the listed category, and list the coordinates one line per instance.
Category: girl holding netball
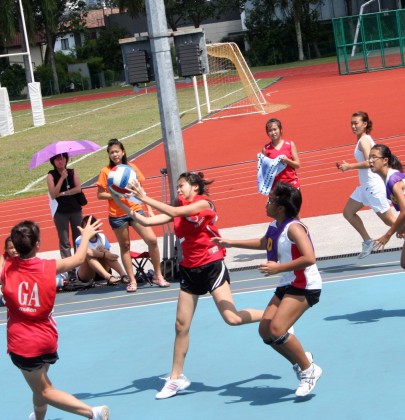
(32, 339)
(202, 268)
(291, 254)
(120, 221)
(371, 191)
(284, 148)
(389, 168)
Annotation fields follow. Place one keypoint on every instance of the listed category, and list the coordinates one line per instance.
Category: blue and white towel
(267, 169)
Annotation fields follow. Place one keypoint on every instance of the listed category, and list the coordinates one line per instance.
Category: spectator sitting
(9, 252)
(99, 260)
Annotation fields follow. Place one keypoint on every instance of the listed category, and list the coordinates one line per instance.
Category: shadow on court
(373, 315)
(117, 356)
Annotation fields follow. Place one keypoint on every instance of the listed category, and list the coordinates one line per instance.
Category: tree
(55, 18)
(195, 11)
(48, 17)
(275, 34)
(297, 9)
(105, 46)
(349, 7)
(280, 13)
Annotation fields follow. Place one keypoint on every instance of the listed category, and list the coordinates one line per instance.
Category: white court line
(80, 114)
(210, 297)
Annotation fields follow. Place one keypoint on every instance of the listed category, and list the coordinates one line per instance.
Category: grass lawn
(134, 119)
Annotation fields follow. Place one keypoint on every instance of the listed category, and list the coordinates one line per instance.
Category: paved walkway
(331, 235)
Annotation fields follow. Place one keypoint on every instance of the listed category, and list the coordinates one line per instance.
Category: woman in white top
(371, 191)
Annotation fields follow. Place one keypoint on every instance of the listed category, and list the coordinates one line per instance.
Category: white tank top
(366, 177)
(309, 278)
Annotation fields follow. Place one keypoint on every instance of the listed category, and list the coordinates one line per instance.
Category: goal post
(230, 88)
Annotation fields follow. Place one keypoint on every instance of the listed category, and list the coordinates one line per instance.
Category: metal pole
(166, 90)
(26, 41)
(207, 95)
(358, 26)
(197, 99)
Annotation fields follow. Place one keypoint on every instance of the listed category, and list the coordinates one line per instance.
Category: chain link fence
(370, 42)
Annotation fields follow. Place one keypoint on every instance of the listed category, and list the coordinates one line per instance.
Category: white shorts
(373, 197)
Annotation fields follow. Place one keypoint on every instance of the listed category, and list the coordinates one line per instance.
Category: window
(64, 43)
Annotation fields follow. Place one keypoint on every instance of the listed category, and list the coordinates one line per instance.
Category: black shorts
(204, 279)
(33, 363)
(312, 296)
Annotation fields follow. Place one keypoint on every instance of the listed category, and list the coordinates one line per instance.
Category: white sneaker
(308, 379)
(172, 387)
(367, 247)
(297, 369)
(101, 413)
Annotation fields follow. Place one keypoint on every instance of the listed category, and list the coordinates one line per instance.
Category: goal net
(230, 88)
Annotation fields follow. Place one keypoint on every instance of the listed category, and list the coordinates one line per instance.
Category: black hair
(289, 197)
(385, 152)
(274, 121)
(53, 158)
(365, 118)
(86, 219)
(8, 239)
(25, 236)
(116, 142)
(197, 178)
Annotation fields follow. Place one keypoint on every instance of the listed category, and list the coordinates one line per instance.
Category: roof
(95, 18)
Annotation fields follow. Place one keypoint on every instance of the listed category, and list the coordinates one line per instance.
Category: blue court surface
(114, 346)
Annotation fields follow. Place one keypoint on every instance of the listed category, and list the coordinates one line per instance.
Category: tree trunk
(349, 7)
(297, 24)
(52, 61)
(316, 49)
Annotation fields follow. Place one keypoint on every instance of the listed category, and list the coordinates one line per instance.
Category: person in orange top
(120, 221)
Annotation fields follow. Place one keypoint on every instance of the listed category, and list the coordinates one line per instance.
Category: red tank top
(195, 233)
(29, 292)
(288, 175)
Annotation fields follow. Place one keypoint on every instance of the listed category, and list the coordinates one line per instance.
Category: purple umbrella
(71, 147)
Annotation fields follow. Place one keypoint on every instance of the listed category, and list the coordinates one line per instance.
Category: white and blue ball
(119, 177)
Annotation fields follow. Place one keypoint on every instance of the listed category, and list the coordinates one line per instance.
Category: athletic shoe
(101, 413)
(32, 416)
(297, 369)
(367, 247)
(172, 387)
(308, 379)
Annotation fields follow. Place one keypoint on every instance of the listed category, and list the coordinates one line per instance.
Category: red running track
(318, 120)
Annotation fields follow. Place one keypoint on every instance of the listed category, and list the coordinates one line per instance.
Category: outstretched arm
(155, 220)
(258, 243)
(167, 209)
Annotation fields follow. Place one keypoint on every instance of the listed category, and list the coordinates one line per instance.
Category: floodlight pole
(166, 91)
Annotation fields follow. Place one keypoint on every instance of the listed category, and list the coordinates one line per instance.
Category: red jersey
(288, 175)
(195, 233)
(29, 293)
